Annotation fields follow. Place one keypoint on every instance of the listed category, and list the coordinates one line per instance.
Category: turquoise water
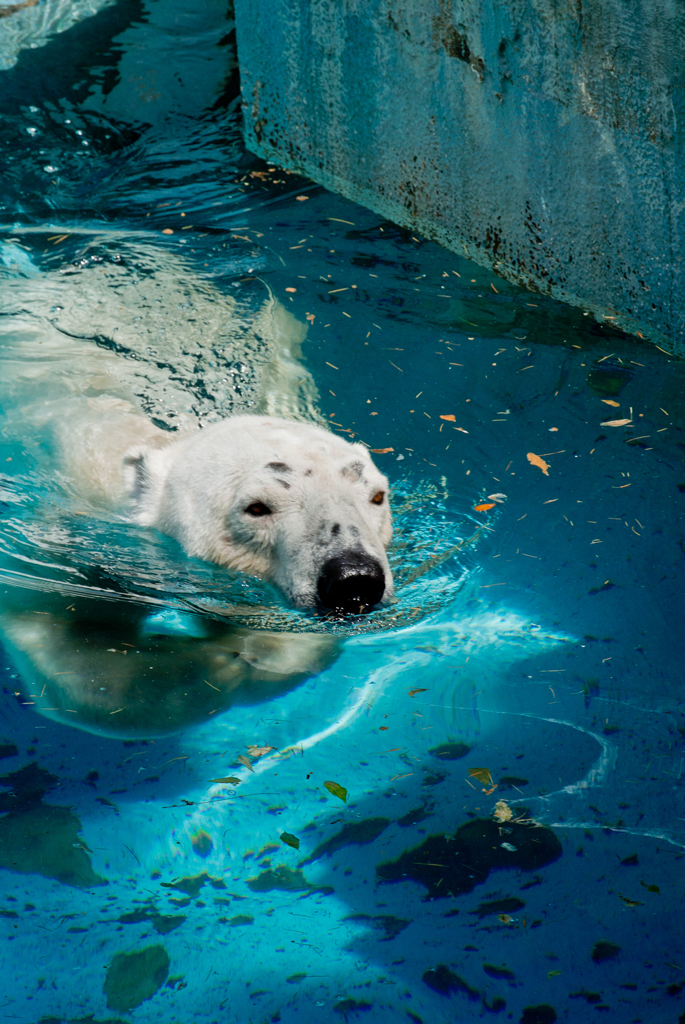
(512, 846)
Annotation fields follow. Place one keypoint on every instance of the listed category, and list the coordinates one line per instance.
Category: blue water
(529, 679)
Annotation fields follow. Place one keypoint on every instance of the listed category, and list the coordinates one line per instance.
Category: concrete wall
(543, 138)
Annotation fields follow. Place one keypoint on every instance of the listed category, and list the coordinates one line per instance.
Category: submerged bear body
(199, 424)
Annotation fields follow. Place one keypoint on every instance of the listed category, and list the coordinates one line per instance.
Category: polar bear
(271, 493)
(281, 500)
(146, 393)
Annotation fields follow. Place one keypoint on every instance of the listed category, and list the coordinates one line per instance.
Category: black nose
(352, 583)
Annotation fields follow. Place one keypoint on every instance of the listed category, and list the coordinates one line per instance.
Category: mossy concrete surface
(541, 139)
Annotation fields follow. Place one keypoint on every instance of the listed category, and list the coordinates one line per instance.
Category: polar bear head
(285, 501)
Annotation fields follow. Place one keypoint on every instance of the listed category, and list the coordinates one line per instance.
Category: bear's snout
(352, 582)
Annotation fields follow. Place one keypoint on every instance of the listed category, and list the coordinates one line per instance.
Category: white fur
(318, 487)
(193, 481)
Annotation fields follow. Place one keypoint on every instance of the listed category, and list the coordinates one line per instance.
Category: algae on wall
(539, 138)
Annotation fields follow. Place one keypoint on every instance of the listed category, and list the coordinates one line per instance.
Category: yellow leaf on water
(615, 423)
(450, 417)
(290, 840)
(229, 778)
(483, 775)
(485, 507)
(503, 811)
(245, 760)
(535, 460)
(258, 751)
(608, 401)
(337, 790)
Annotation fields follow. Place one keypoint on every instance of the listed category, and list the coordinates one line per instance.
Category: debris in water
(201, 842)
(535, 460)
(443, 981)
(355, 833)
(134, 977)
(337, 790)
(290, 840)
(191, 884)
(285, 879)
(457, 864)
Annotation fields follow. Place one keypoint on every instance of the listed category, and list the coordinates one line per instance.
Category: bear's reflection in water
(115, 669)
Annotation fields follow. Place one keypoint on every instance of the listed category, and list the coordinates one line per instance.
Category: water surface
(536, 643)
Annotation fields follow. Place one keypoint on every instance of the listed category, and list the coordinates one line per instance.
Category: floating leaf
(497, 497)
(651, 888)
(535, 460)
(481, 775)
(450, 417)
(484, 508)
(553, 974)
(630, 903)
(503, 811)
(505, 918)
(337, 790)
(290, 840)
(245, 760)
(615, 423)
(609, 401)
(509, 847)
(381, 451)
(417, 689)
(258, 751)
(229, 778)
(291, 289)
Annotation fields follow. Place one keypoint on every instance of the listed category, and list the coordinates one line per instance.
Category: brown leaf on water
(381, 451)
(290, 840)
(651, 888)
(245, 760)
(608, 401)
(337, 790)
(258, 751)
(229, 778)
(630, 903)
(535, 460)
(417, 689)
(503, 811)
(483, 775)
(615, 423)
(450, 418)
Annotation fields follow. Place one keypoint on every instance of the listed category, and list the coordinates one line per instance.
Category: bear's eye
(257, 509)
(378, 498)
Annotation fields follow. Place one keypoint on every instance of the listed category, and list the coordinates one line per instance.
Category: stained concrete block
(542, 138)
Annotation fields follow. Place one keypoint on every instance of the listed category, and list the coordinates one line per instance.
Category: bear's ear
(137, 473)
(145, 471)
